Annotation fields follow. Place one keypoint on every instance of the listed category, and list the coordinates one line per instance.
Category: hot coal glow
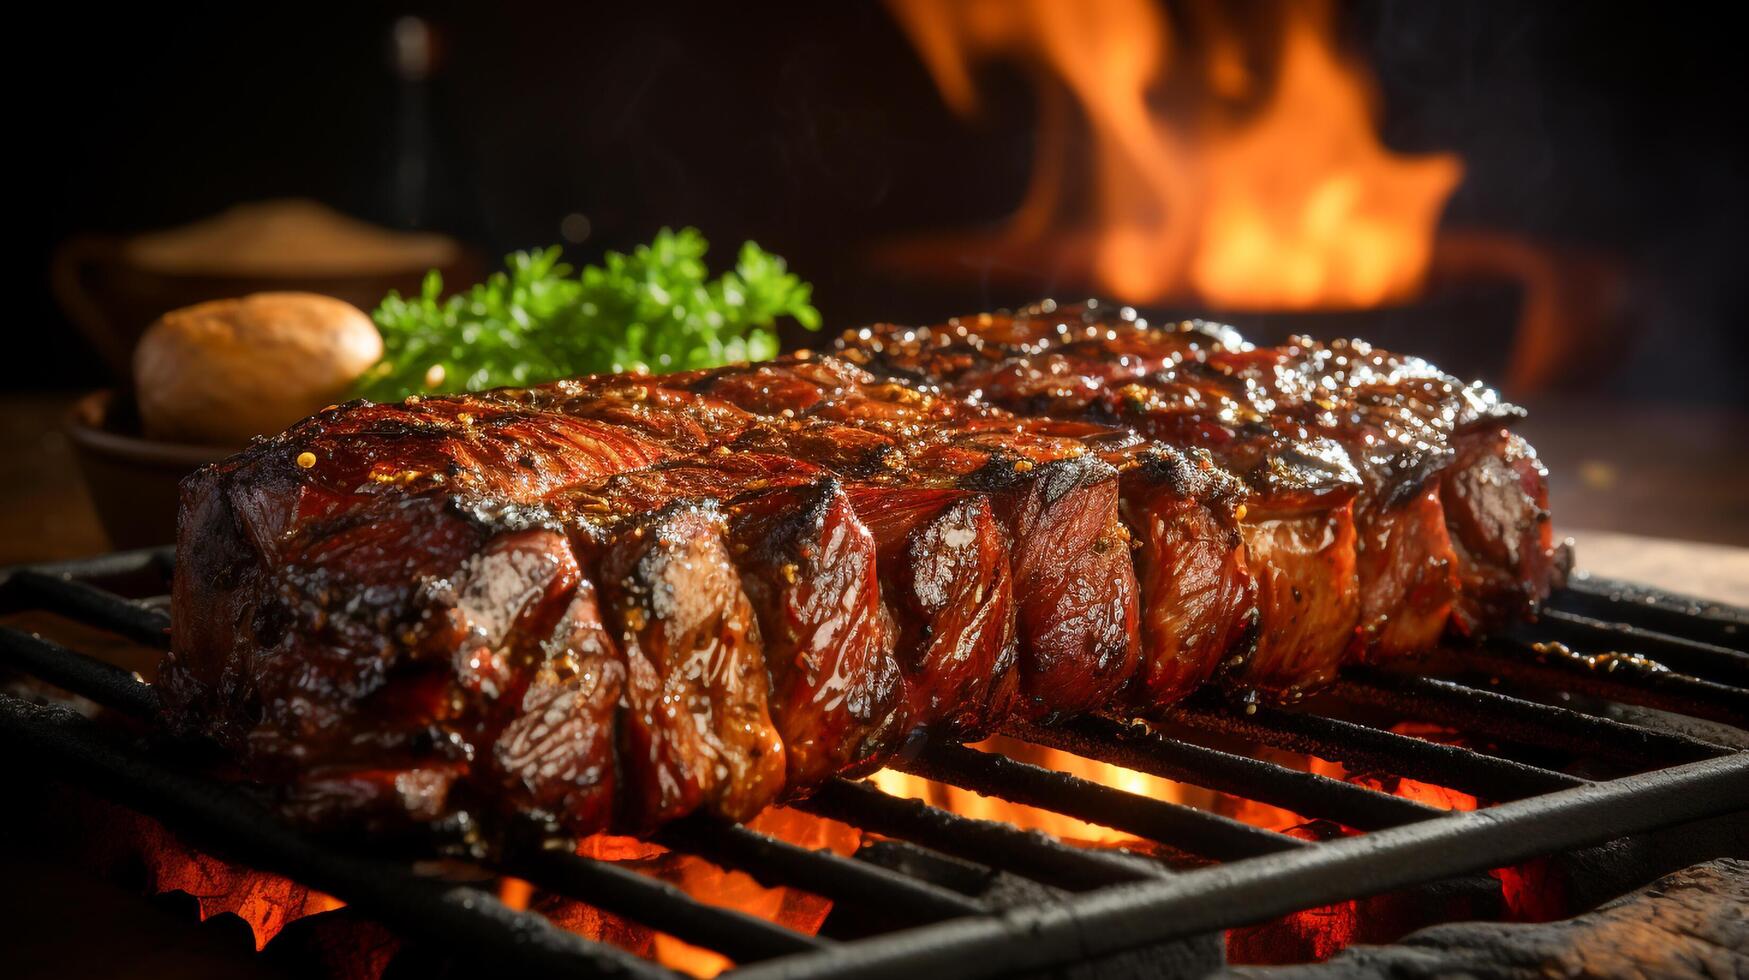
(269, 903)
(1240, 167)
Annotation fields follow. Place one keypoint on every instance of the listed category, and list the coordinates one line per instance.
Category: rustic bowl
(133, 480)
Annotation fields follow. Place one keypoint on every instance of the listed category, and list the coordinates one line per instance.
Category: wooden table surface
(1659, 496)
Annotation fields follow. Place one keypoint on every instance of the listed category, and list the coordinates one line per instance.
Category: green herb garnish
(653, 310)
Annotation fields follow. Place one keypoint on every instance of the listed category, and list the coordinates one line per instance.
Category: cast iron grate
(1679, 758)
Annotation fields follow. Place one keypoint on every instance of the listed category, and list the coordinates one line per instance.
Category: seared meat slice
(555, 757)
(1197, 599)
(1407, 571)
(1070, 561)
(1497, 507)
(807, 565)
(696, 730)
(1308, 599)
(943, 562)
(1072, 577)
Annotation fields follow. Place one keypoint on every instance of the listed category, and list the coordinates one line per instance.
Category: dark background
(814, 129)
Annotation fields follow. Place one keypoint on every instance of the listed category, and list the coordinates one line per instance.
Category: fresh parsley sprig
(656, 309)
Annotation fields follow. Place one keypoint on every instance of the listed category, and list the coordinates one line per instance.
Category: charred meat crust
(809, 566)
(614, 601)
(1070, 562)
(696, 729)
(1196, 597)
(1303, 425)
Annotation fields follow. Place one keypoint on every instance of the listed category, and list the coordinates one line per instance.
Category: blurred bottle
(424, 186)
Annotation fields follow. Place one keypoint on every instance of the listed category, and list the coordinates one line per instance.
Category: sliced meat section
(944, 570)
(554, 758)
(1407, 574)
(1308, 599)
(1496, 499)
(1070, 559)
(1197, 601)
(696, 731)
(808, 565)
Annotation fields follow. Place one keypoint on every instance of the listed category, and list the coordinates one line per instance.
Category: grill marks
(614, 601)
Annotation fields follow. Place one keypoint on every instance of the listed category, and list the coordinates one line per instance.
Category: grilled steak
(1357, 461)
(614, 601)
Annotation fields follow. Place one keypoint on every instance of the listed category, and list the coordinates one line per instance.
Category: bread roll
(218, 373)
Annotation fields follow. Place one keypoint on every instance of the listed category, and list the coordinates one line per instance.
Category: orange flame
(1255, 190)
(268, 903)
(705, 882)
(969, 804)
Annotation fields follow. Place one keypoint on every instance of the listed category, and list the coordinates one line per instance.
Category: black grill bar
(58, 743)
(1479, 775)
(1500, 716)
(1129, 916)
(774, 862)
(102, 682)
(741, 937)
(1706, 660)
(1029, 854)
(657, 904)
(1626, 683)
(1172, 824)
(1656, 610)
(1308, 794)
(88, 604)
(661, 906)
(155, 564)
(1117, 901)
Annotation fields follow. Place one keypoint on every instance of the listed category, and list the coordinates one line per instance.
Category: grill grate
(1668, 774)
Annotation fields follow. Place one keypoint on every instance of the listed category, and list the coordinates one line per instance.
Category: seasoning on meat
(609, 602)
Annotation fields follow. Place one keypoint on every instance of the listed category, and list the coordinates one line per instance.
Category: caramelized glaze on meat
(610, 602)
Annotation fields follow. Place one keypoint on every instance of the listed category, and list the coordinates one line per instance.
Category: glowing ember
(266, 902)
(1208, 178)
(707, 883)
(269, 903)
(970, 804)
